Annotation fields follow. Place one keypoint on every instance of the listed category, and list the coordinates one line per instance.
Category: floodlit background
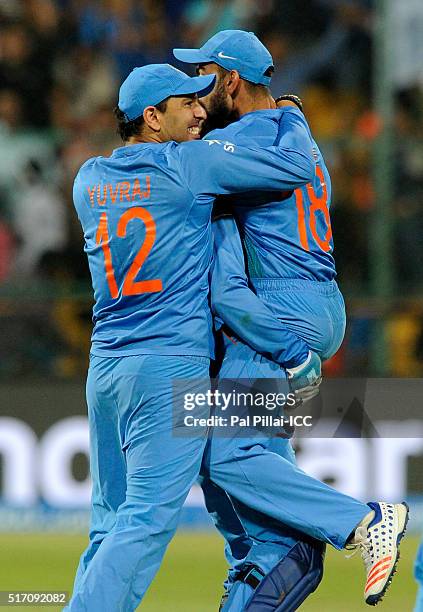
(358, 66)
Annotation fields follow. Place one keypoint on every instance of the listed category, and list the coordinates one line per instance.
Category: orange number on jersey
(302, 228)
(102, 237)
(317, 203)
(130, 286)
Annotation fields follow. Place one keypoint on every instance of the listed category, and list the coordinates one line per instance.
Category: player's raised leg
(244, 466)
(273, 561)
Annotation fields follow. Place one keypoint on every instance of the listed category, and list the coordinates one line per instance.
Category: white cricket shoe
(378, 537)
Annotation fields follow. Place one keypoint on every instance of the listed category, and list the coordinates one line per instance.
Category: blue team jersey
(145, 212)
(289, 236)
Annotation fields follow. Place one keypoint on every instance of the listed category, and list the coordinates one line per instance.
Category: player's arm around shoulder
(294, 131)
(213, 166)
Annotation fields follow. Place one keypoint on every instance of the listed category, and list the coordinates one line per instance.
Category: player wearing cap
(288, 246)
(145, 212)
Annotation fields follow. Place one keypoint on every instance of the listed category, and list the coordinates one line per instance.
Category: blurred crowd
(61, 63)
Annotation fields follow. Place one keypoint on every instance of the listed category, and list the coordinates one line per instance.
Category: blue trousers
(142, 468)
(418, 572)
(274, 501)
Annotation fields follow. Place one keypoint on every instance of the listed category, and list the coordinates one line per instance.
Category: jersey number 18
(316, 203)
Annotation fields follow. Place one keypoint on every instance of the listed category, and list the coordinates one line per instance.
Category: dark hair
(126, 129)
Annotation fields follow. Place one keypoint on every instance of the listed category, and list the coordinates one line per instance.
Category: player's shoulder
(129, 156)
(141, 152)
(169, 150)
(156, 149)
(157, 155)
(85, 171)
(249, 124)
(91, 165)
(188, 153)
(87, 166)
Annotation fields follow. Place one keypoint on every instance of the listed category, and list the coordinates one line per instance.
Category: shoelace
(365, 549)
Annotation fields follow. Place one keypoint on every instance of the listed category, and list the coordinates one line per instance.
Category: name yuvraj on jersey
(122, 191)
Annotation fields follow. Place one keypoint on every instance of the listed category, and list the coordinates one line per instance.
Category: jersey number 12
(130, 285)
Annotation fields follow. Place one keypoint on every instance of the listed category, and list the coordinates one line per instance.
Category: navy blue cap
(233, 50)
(149, 85)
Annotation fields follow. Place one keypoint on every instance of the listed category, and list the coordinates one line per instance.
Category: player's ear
(233, 81)
(151, 118)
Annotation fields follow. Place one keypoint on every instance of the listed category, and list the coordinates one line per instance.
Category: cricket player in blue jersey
(146, 217)
(288, 245)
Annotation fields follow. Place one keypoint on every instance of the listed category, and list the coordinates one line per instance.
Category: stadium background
(357, 66)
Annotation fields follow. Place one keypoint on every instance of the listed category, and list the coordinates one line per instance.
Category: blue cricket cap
(233, 50)
(149, 85)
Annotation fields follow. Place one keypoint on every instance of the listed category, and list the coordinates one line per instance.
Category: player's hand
(304, 380)
(289, 100)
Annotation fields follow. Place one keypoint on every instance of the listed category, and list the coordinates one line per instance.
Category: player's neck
(143, 138)
(249, 104)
